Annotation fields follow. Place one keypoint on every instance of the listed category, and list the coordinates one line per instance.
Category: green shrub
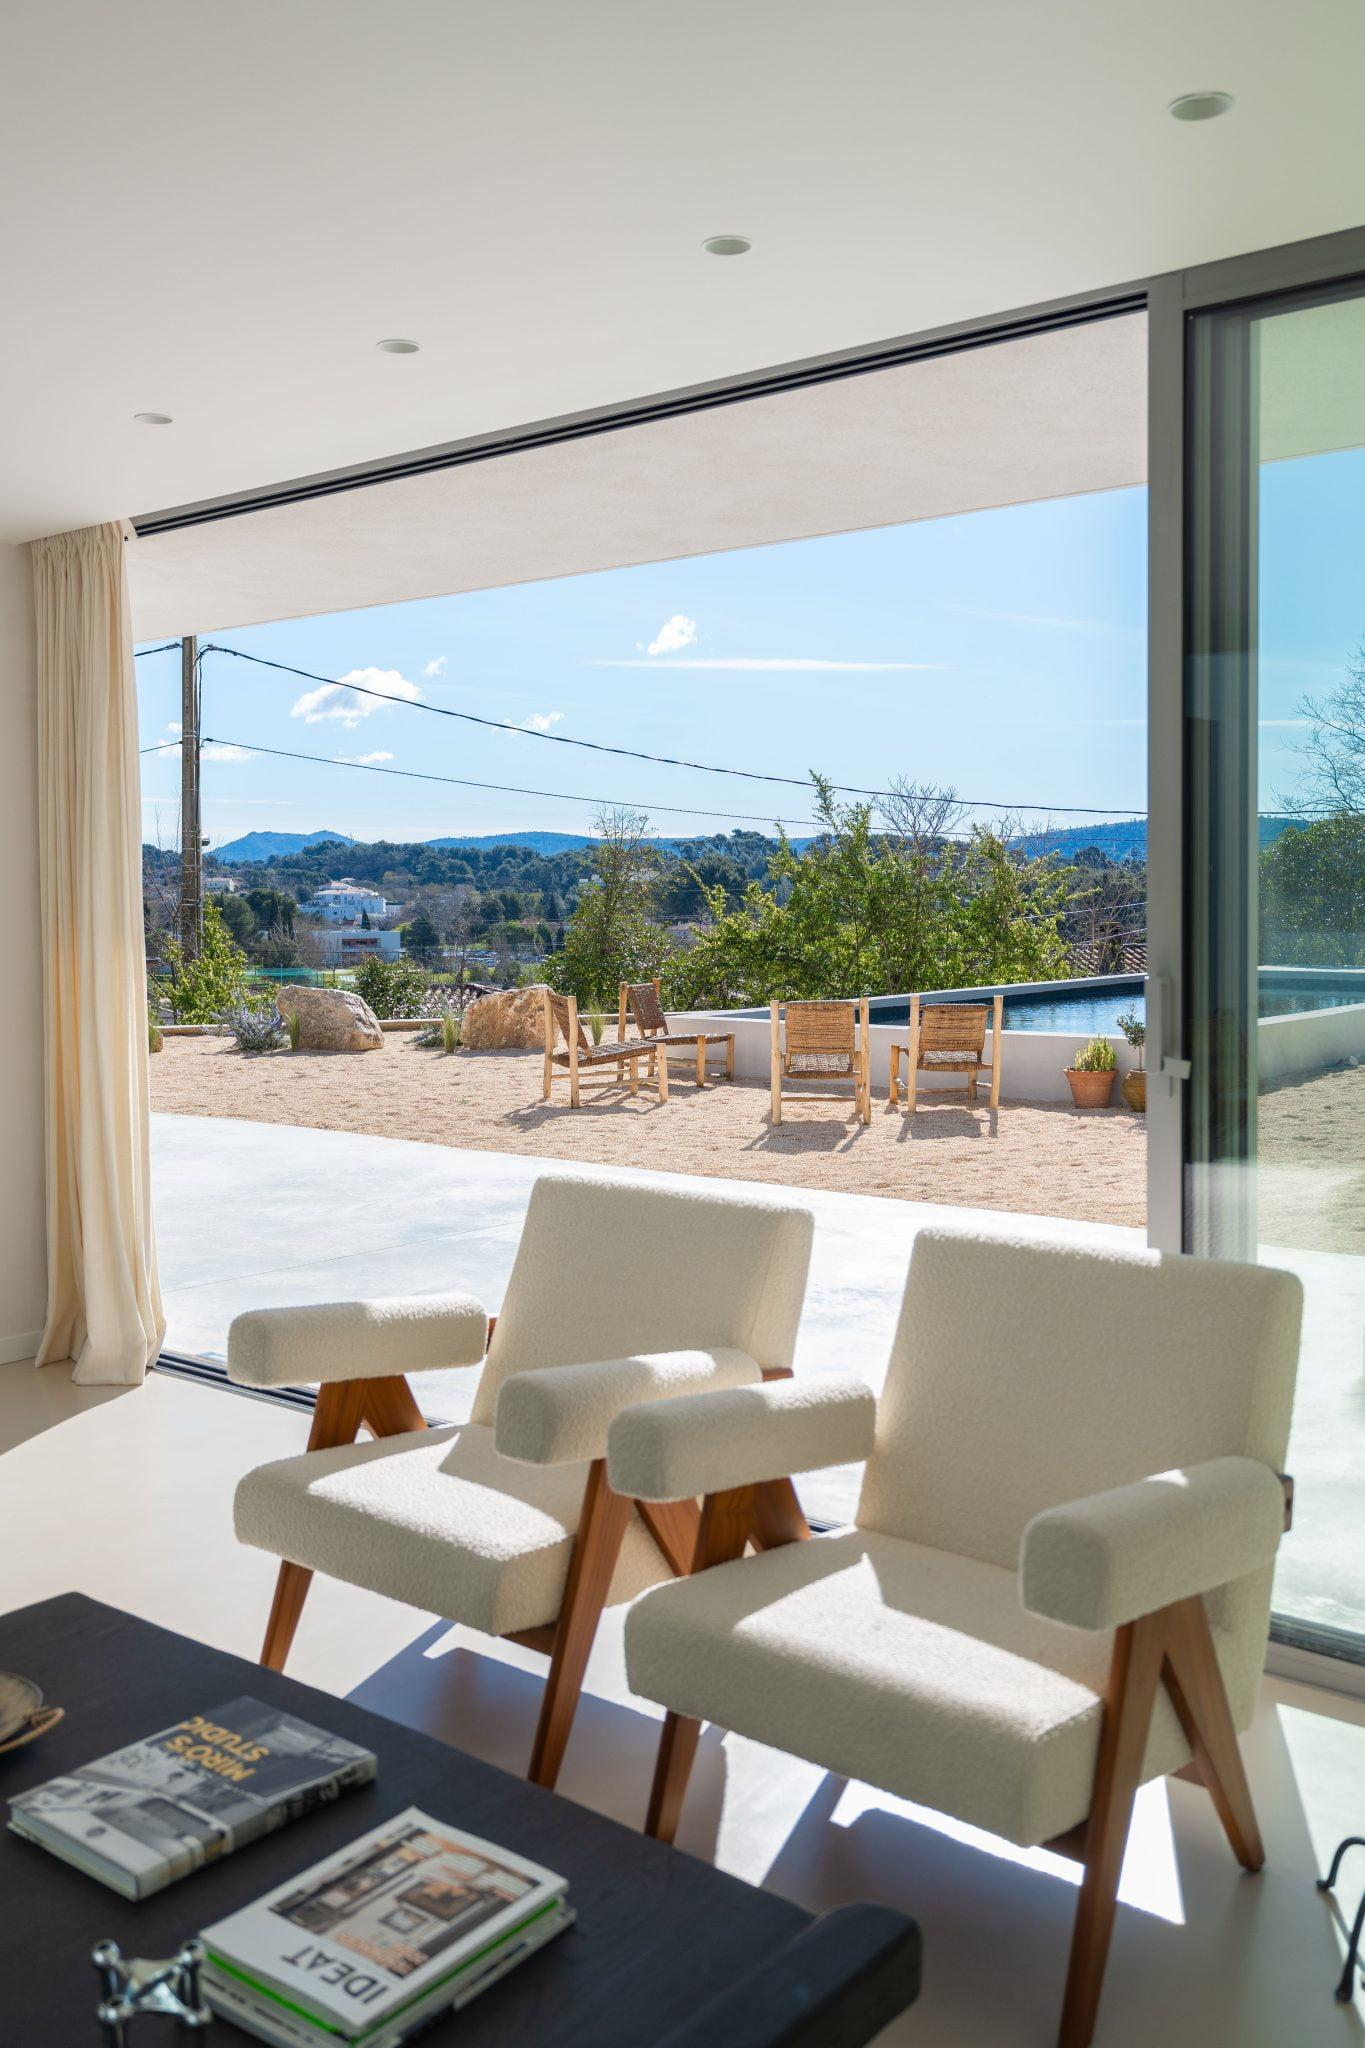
(1098, 1057)
(392, 988)
(293, 1026)
(443, 1031)
(597, 1023)
(199, 990)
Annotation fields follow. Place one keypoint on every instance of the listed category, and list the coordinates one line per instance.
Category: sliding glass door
(1272, 974)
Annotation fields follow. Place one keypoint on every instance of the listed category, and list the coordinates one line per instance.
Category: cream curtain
(103, 1301)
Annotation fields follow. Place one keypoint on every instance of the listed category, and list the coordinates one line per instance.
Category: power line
(564, 739)
(164, 648)
(504, 788)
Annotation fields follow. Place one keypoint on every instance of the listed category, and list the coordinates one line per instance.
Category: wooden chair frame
(913, 1055)
(665, 1040)
(1172, 1647)
(388, 1407)
(860, 1076)
(561, 1016)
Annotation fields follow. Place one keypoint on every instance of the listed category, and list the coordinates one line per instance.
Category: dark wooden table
(658, 1932)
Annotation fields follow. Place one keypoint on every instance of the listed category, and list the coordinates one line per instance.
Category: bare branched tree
(919, 816)
(1333, 748)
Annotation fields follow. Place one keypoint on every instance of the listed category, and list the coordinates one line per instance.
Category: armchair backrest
(563, 1021)
(953, 1028)
(607, 1268)
(645, 1007)
(1026, 1375)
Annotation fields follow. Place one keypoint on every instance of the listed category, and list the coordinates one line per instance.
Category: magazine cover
(161, 1807)
(383, 1923)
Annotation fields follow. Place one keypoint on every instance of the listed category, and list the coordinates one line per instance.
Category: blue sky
(1001, 651)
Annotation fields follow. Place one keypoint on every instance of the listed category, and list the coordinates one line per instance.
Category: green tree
(199, 990)
(423, 939)
(1312, 895)
(613, 935)
(861, 912)
(238, 916)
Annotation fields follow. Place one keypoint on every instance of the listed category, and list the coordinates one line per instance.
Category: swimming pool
(1095, 1007)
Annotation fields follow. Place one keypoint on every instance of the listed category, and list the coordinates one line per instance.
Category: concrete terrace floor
(252, 1215)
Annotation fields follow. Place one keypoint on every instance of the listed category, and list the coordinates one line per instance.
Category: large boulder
(330, 1019)
(512, 1017)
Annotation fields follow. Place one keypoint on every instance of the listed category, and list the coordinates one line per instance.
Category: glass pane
(1275, 757)
(1310, 1033)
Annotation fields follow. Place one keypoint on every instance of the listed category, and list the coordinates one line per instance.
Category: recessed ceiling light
(153, 419)
(1200, 106)
(396, 346)
(727, 245)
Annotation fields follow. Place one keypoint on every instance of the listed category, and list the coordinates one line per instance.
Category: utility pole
(191, 839)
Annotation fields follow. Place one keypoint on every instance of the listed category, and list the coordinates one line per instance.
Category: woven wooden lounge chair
(561, 1021)
(823, 1042)
(949, 1038)
(645, 1004)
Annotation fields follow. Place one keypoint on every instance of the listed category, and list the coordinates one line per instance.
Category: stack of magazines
(411, 1920)
(155, 1811)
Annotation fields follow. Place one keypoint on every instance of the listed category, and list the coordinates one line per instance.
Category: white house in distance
(348, 945)
(345, 902)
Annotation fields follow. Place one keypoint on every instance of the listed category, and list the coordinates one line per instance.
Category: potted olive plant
(1133, 1087)
(1091, 1074)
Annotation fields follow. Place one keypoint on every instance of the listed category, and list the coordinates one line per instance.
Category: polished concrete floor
(250, 1215)
(126, 1495)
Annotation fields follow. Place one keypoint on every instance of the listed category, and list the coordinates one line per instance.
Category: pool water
(1095, 1012)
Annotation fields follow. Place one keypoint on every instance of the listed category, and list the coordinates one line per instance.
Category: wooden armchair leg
(596, 1549)
(1195, 1685)
(1134, 1674)
(677, 1749)
(291, 1590)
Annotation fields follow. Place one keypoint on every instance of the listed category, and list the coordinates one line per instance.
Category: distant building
(220, 885)
(345, 902)
(348, 945)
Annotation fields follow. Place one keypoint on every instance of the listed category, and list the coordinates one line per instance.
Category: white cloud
(436, 667)
(223, 750)
(541, 721)
(175, 727)
(773, 664)
(366, 760)
(674, 633)
(329, 700)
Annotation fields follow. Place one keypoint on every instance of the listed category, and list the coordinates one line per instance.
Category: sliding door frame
(1196, 621)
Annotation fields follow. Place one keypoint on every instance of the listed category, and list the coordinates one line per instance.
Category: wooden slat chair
(949, 1038)
(645, 1005)
(1057, 1584)
(506, 1523)
(823, 1042)
(562, 1021)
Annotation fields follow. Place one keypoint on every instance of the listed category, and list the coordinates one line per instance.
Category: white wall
(22, 1281)
(1032, 1066)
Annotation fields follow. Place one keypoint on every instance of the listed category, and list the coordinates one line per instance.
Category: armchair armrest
(713, 1442)
(1099, 1562)
(560, 1414)
(355, 1340)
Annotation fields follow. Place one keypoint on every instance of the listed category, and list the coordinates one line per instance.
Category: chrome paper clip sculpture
(132, 1986)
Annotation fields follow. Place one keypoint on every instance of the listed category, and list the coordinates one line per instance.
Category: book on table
(151, 1813)
(410, 1920)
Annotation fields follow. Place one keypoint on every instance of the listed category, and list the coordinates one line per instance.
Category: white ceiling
(215, 211)
(1045, 417)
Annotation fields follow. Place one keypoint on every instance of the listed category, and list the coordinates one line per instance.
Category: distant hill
(1126, 838)
(535, 842)
(261, 845)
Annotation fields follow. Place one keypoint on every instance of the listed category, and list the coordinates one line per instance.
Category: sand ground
(1039, 1158)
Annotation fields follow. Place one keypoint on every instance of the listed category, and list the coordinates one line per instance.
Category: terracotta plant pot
(1091, 1091)
(1133, 1089)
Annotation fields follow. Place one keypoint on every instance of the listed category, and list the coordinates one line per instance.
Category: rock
(330, 1019)
(512, 1017)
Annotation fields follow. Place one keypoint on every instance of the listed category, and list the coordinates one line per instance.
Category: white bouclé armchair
(619, 1294)
(1057, 1585)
